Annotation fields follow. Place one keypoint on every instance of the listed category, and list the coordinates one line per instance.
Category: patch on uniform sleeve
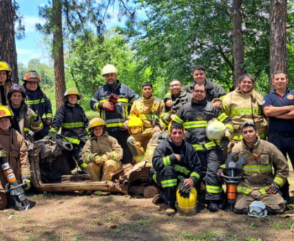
(290, 97)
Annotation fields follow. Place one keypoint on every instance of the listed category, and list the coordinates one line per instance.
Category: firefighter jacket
(178, 102)
(257, 169)
(17, 155)
(242, 107)
(214, 91)
(188, 166)
(73, 123)
(148, 110)
(114, 119)
(4, 89)
(104, 144)
(38, 101)
(195, 116)
(24, 121)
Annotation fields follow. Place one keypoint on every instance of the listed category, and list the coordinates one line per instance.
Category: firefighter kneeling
(259, 182)
(175, 161)
(101, 153)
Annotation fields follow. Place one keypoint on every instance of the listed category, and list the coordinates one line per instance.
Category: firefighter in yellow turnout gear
(101, 153)
(245, 104)
(259, 181)
(145, 111)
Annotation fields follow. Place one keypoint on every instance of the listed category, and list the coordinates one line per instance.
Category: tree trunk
(7, 37)
(238, 46)
(278, 39)
(58, 53)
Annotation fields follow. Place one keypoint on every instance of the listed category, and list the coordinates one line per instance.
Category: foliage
(180, 34)
(87, 58)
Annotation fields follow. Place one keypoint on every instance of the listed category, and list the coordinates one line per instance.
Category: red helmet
(16, 88)
(31, 76)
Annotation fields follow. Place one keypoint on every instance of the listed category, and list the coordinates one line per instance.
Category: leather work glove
(273, 189)
(28, 182)
(99, 160)
(3, 153)
(34, 117)
(184, 191)
(228, 134)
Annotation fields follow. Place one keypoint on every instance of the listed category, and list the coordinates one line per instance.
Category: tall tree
(278, 40)
(7, 35)
(77, 16)
(58, 52)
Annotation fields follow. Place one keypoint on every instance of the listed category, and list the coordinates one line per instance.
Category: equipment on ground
(232, 176)
(13, 187)
(257, 209)
(187, 204)
(112, 98)
(215, 130)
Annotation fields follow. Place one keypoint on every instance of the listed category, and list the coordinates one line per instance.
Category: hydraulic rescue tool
(14, 188)
(231, 175)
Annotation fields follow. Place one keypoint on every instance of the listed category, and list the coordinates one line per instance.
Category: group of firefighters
(177, 134)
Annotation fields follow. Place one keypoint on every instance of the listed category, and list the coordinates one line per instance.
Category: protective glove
(184, 191)
(109, 155)
(219, 174)
(3, 153)
(28, 182)
(228, 134)
(34, 117)
(99, 160)
(48, 121)
(273, 189)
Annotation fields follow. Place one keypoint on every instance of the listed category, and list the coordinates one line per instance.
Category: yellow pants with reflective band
(138, 144)
(105, 170)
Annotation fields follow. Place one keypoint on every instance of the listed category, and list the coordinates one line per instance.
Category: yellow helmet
(5, 112)
(109, 69)
(4, 66)
(96, 122)
(215, 129)
(187, 204)
(135, 125)
(72, 91)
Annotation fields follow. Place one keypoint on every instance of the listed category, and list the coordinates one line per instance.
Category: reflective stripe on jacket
(114, 119)
(258, 168)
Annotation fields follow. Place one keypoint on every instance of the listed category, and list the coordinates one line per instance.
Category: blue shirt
(276, 124)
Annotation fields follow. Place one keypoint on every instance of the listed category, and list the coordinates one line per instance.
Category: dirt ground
(76, 217)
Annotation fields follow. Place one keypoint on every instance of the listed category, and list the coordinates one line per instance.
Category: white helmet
(215, 130)
(257, 209)
(109, 69)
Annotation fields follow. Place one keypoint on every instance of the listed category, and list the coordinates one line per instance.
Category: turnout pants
(274, 203)
(211, 161)
(106, 169)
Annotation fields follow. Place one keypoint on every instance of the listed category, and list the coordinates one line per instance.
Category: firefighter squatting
(198, 139)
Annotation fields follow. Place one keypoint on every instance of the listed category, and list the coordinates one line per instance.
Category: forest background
(159, 41)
